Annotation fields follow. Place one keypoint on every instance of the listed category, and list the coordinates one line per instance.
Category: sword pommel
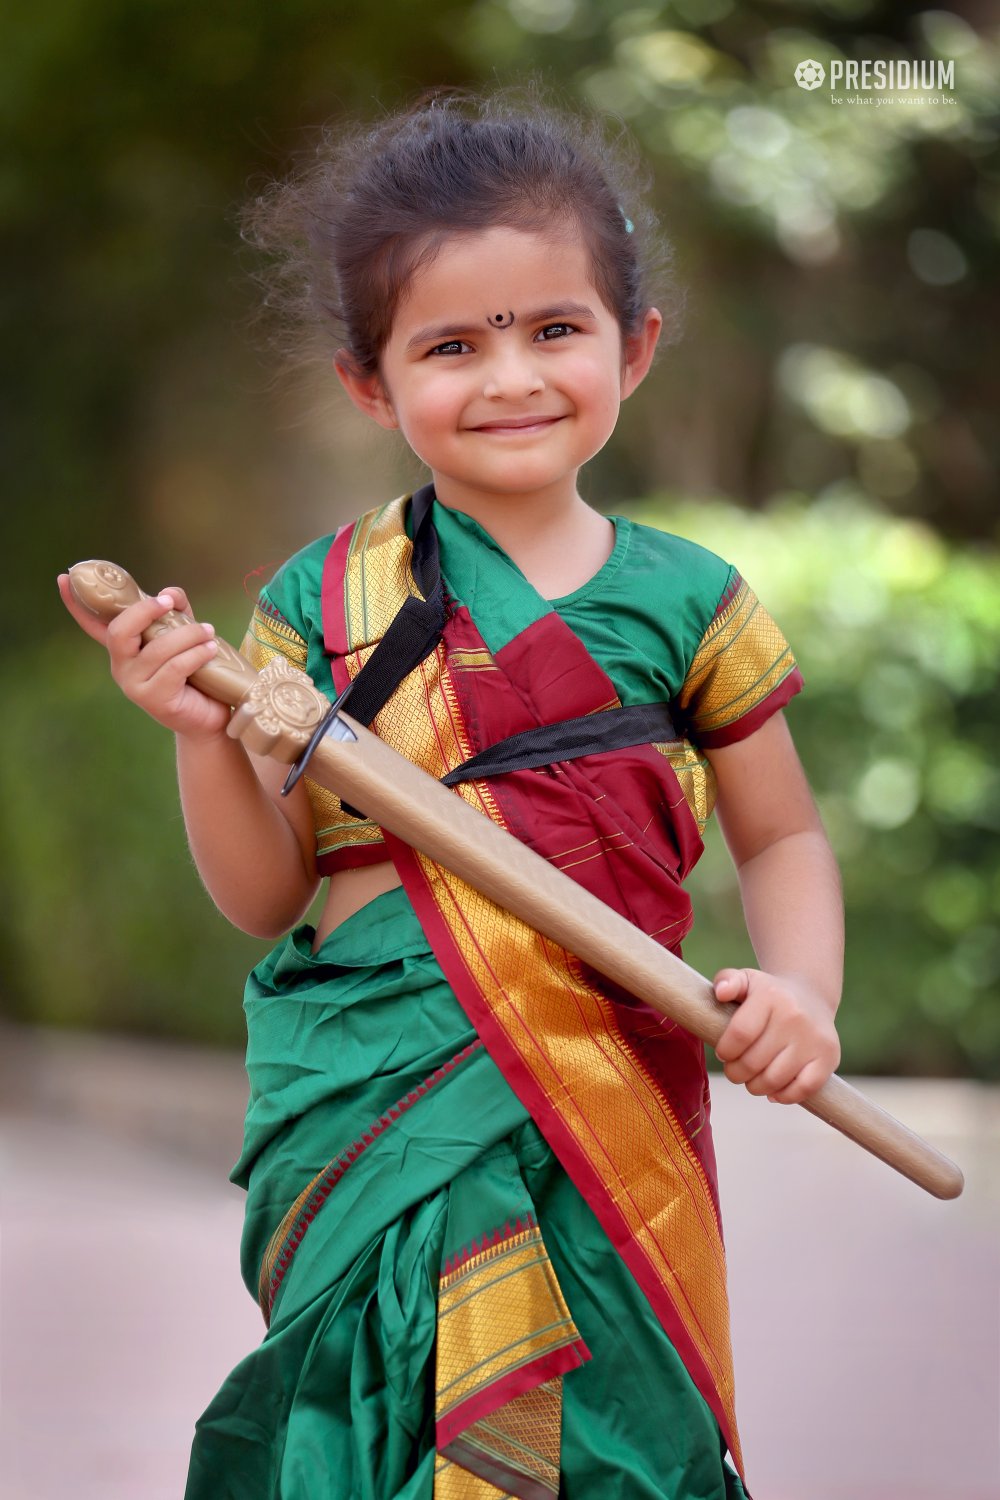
(103, 588)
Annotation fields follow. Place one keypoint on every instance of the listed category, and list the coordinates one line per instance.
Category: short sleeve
(742, 672)
(287, 621)
(270, 634)
(287, 616)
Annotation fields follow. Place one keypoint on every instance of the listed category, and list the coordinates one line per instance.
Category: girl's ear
(638, 351)
(366, 391)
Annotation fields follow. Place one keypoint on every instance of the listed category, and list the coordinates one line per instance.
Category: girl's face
(504, 370)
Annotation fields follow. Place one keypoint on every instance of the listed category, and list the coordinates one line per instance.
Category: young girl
(482, 1217)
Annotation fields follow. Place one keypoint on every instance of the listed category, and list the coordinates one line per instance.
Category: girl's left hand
(782, 1041)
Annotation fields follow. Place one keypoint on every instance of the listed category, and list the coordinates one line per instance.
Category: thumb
(731, 984)
(85, 618)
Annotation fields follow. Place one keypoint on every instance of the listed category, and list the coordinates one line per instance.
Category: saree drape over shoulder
(482, 1217)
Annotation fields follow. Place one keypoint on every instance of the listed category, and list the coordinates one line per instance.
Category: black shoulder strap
(416, 628)
(611, 729)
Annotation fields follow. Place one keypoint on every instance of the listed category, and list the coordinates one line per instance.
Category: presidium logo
(809, 74)
(911, 77)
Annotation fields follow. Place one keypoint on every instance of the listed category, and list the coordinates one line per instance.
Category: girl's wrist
(207, 737)
(822, 992)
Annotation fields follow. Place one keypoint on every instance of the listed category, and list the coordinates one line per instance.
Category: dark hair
(377, 201)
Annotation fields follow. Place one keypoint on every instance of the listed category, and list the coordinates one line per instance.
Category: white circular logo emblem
(809, 74)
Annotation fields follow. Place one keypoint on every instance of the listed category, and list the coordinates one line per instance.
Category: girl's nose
(513, 373)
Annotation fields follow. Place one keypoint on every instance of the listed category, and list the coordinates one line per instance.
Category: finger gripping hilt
(105, 590)
(277, 709)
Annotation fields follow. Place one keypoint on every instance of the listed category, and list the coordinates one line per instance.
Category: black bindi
(499, 321)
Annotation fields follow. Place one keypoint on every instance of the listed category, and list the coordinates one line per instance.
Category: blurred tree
(132, 133)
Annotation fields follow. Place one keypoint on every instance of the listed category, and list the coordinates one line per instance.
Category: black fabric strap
(416, 628)
(613, 729)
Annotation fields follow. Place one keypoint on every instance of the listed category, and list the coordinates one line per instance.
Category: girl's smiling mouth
(519, 424)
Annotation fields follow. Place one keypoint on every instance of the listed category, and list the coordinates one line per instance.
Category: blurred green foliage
(103, 921)
(898, 636)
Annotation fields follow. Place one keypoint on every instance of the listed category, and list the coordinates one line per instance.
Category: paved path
(866, 1315)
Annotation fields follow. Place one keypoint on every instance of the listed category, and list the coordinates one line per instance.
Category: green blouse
(667, 620)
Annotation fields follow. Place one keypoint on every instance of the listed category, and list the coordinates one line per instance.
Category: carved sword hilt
(277, 709)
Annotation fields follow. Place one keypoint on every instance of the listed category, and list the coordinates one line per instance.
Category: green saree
(339, 1399)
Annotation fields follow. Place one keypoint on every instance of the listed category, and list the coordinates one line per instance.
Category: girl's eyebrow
(437, 334)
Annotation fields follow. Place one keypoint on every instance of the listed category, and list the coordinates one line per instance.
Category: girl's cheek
(438, 407)
(439, 392)
(594, 388)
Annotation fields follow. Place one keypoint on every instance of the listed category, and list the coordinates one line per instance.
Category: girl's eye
(559, 329)
(452, 345)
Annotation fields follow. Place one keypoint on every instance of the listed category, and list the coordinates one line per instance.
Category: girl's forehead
(499, 263)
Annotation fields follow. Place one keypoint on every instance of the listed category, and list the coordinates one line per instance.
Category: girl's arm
(253, 849)
(782, 1040)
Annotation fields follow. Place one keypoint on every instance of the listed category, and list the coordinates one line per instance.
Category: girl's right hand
(155, 674)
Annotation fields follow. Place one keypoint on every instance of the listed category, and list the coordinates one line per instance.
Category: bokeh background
(828, 422)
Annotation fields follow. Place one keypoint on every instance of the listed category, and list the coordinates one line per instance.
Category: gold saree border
(508, 1295)
(641, 1171)
(269, 635)
(503, 1324)
(519, 1447)
(378, 576)
(623, 1128)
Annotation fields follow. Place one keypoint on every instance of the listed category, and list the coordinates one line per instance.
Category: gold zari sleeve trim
(742, 658)
(267, 637)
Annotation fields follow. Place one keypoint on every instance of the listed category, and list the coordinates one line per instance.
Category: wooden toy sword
(279, 712)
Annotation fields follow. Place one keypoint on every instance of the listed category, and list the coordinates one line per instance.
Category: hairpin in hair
(629, 226)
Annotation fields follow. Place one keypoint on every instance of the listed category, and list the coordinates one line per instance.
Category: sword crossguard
(279, 713)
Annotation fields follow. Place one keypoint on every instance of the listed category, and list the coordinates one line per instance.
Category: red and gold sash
(619, 1092)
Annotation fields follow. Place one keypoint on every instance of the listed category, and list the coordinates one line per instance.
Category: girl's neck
(556, 539)
(520, 522)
